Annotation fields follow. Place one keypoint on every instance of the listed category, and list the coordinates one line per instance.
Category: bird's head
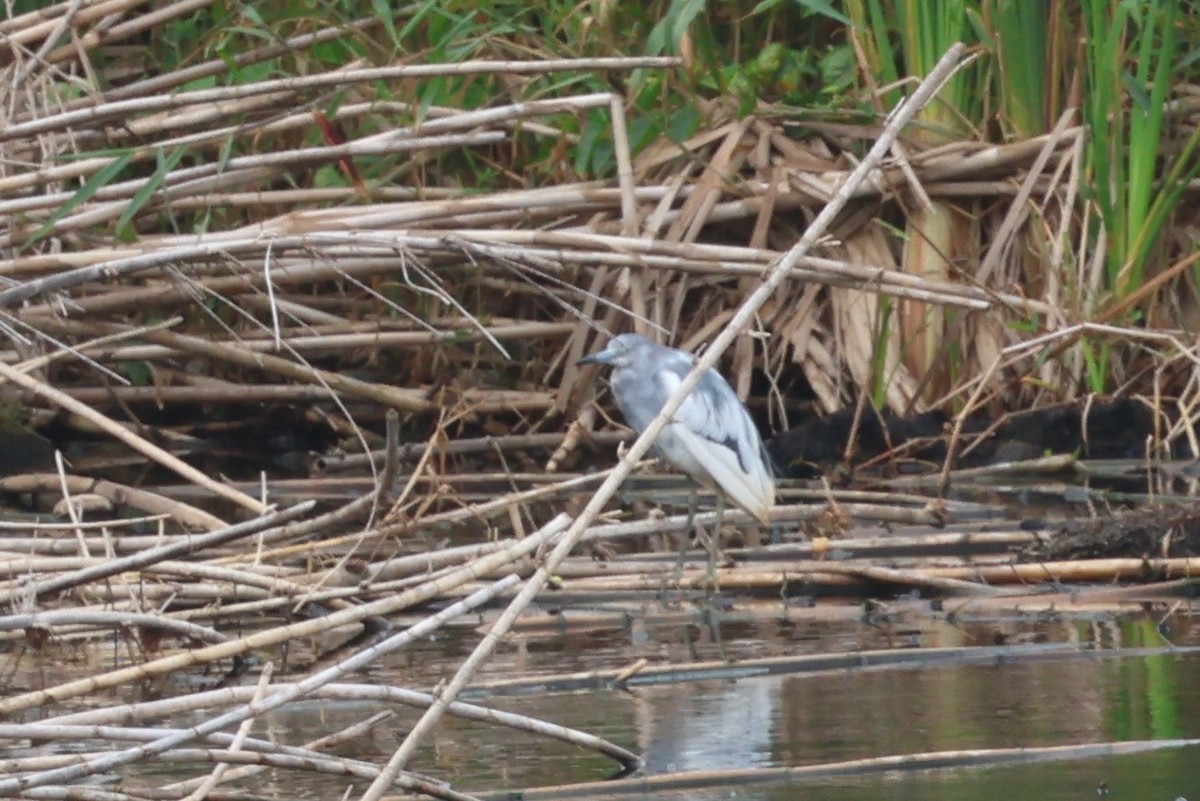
(620, 351)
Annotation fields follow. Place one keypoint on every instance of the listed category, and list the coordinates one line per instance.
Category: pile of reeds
(307, 227)
(319, 221)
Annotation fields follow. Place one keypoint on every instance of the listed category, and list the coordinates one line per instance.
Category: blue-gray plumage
(711, 437)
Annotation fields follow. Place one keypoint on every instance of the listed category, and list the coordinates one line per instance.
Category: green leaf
(586, 144)
(98, 180)
(225, 154)
(165, 165)
(824, 9)
(138, 373)
(383, 10)
(1141, 100)
(666, 35)
(684, 124)
(769, 60)
(839, 69)
(765, 6)
(254, 16)
(642, 131)
(328, 175)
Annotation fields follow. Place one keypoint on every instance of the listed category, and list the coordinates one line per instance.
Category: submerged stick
(9, 786)
(665, 784)
(374, 693)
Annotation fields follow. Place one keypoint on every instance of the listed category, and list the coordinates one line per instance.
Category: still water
(1098, 693)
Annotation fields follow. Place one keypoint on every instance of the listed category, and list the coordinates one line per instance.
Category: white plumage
(711, 437)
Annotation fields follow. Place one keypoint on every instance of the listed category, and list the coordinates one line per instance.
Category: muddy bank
(885, 443)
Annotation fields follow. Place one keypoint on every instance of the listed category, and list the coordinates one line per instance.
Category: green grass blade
(140, 198)
(98, 180)
(1021, 39)
(819, 7)
(1156, 55)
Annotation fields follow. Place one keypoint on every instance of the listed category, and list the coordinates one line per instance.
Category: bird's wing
(718, 434)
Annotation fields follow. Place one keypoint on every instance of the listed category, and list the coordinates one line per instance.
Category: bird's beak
(600, 357)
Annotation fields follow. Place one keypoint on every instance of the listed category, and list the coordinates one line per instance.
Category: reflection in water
(839, 716)
(714, 726)
(1164, 775)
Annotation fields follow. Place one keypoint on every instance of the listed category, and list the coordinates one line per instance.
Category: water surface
(1096, 693)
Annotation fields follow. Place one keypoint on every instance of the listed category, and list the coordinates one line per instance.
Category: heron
(711, 437)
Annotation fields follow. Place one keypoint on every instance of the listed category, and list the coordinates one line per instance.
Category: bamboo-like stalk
(122, 108)
(114, 566)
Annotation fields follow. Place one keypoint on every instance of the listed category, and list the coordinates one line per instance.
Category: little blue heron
(711, 437)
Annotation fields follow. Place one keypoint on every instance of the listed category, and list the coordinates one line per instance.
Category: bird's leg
(714, 541)
(685, 540)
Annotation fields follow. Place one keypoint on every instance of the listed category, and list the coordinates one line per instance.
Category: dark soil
(1145, 533)
(1116, 429)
